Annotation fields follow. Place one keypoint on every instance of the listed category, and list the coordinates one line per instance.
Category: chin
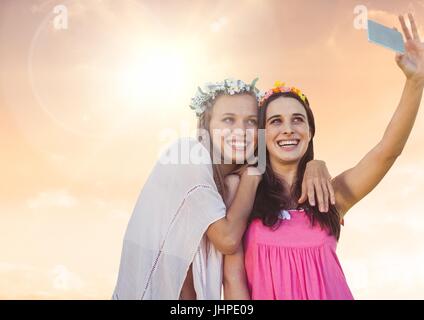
(288, 159)
(234, 159)
(239, 159)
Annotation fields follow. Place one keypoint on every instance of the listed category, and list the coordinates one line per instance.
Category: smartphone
(386, 37)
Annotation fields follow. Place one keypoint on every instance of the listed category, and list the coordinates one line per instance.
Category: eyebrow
(294, 115)
(232, 114)
(299, 115)
(276, 116)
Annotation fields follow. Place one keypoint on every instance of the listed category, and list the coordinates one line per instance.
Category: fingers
(414, 27)
(332, 194)
(316, 190)
(311, 193)
(326, 195)
(302, 198)
(405, 28)
(399, 57)
(319, 193)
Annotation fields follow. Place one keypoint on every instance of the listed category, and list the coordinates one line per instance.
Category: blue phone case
(386, 37)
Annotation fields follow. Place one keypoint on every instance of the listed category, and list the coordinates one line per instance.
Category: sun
(153, 72)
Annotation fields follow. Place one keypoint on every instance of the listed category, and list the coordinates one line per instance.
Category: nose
(239, 126)
(287, 128)
(239, 130)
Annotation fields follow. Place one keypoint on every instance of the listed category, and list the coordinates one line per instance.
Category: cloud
(24, 281)
(385, 275)
(58, 198)
(219, 24)
(64, 279)
(7, 267)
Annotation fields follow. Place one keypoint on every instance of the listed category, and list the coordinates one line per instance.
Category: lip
(287, 148)
(237, 144)
(238, 147)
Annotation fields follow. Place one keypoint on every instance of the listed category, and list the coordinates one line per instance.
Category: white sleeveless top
(166, 232)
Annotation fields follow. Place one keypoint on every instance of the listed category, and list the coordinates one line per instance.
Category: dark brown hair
(273, 194)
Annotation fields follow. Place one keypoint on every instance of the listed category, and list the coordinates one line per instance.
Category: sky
(88, 102)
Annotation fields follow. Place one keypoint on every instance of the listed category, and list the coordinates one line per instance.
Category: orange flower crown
(280, 87)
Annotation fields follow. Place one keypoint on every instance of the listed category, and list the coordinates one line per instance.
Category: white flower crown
(200, 101)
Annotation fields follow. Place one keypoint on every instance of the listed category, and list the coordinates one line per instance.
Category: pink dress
(293, 262)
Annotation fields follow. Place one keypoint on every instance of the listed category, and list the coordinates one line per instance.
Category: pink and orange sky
(85, 110)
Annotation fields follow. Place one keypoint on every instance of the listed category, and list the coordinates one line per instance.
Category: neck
(227, 168)
(285, 171)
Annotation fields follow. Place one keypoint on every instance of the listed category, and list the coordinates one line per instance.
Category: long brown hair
(273, 194)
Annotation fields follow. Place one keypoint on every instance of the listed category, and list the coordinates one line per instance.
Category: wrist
(250, 179)
(316, 162)
(414, 83)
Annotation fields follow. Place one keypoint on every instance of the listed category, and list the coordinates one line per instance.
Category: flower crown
(280, 87)
(211, 91)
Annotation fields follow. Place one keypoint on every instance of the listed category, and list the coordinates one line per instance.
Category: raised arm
(234, 281)
(355, 183)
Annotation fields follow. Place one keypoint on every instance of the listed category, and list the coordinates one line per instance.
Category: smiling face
(287, 130)
(233, 127)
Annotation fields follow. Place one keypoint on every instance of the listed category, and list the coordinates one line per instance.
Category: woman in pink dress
(290, 251)
(181, 226)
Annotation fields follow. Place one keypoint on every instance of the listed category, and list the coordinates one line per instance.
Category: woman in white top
(181, 226)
